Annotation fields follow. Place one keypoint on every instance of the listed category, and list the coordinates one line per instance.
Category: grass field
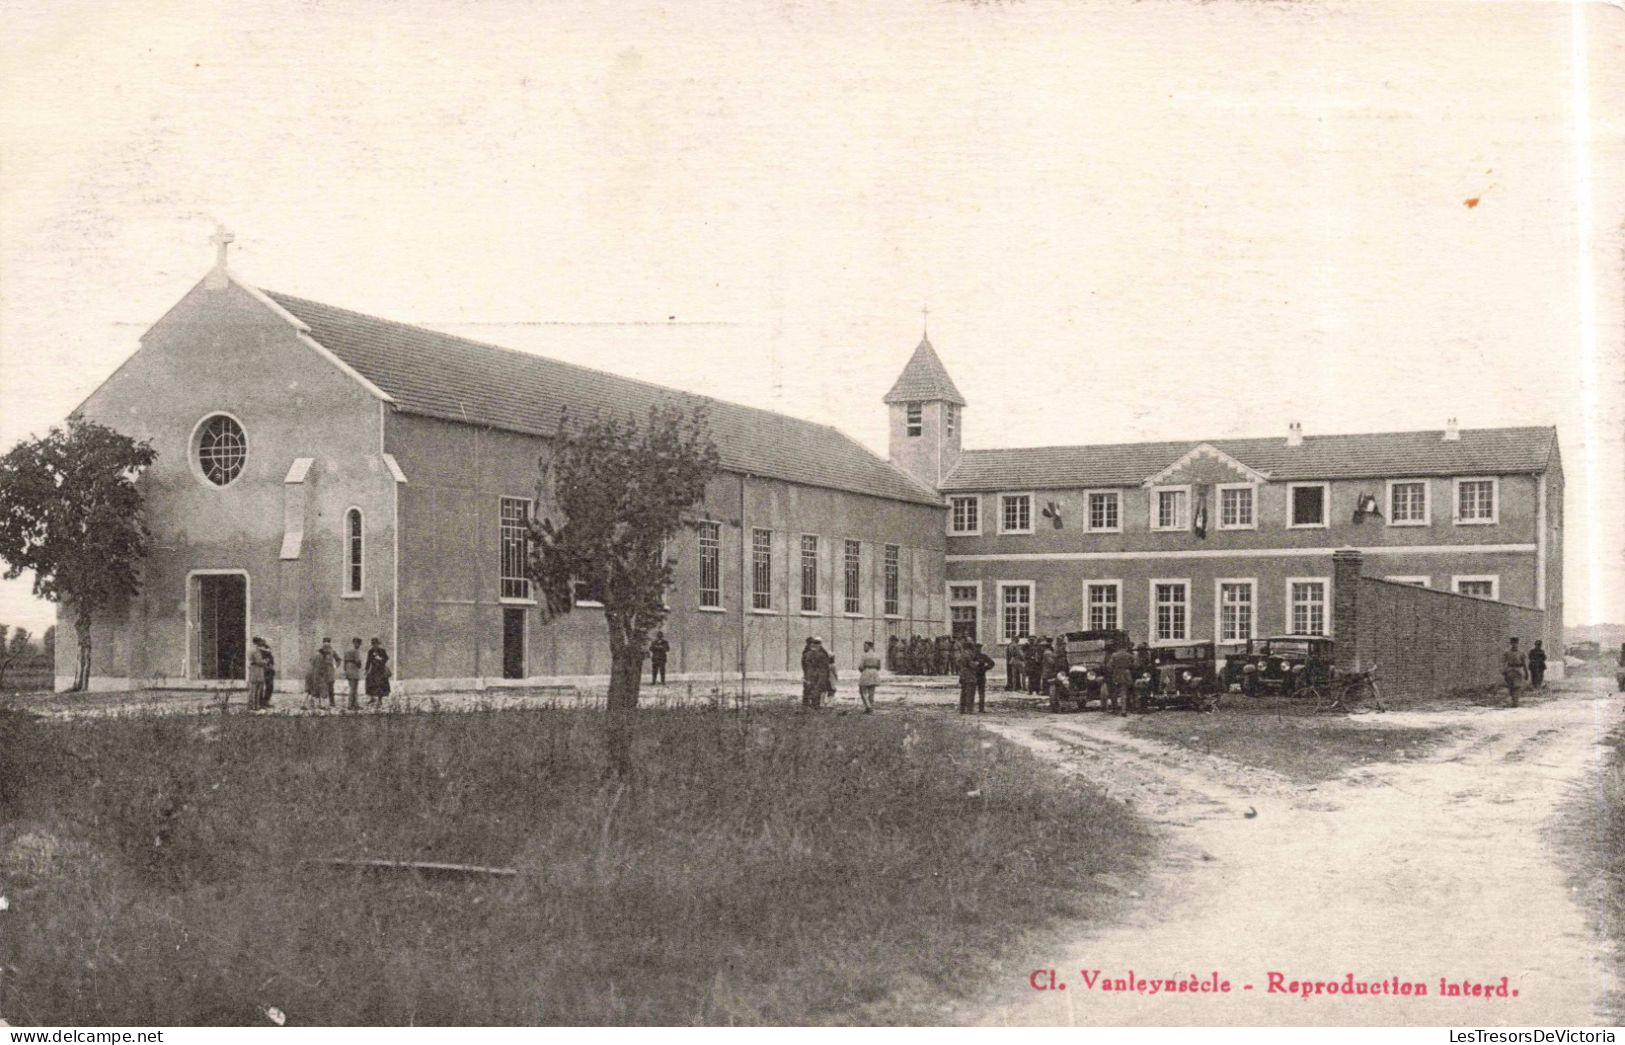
(763, 866)
(1286, 735)
(1594, 832)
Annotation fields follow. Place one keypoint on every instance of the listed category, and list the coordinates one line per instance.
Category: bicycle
(1348, 693)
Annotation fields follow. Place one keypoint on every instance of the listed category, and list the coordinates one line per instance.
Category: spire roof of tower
(924, 380)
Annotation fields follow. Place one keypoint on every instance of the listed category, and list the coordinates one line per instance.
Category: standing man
(1537, 666)
(814, 673)
(329, 660)
(1046, 665)
(1033, 664)
(256, 675)
(377, 672)
(1013, 681)
(965, 665)
(868, 676)
(352, 671)
(983, 664)
(270, 673)
(1514, 669)
(1120, 677)
(657, 658)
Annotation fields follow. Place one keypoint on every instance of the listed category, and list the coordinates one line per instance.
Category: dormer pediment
(1206, 463)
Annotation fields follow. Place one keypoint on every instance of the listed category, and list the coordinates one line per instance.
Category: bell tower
(927, 417)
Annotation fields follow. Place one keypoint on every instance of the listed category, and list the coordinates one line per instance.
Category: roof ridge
(1251, 439)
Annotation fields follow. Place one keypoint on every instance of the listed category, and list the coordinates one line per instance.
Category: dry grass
(1593, 833)
(1286, 735)
(764, 867)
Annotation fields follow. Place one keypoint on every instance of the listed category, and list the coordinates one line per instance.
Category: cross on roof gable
(1208, 450)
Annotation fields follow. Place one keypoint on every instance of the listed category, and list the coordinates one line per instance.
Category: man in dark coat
(1035, 663)
(1537, 666)
(1015, 662)
(965, 666)
(1120, 678)
(814, 673)
(658, 651)
(983, 664)
(944, 655)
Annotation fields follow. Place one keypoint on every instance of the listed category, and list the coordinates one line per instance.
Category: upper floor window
(1105, 511)
(221, 449)
(966, 514)
(1408, 502)
(353, 538)
(916, 419)
(1015, 513)
(761, 569)
(1306, 505)
(710, 565)
(1170, 508)
(950, 414)
(809, 574)
(1236, 508)
(515, 538)
(1476, 501)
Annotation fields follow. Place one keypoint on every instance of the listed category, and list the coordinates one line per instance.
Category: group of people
(357, 667)
(818, 674)
(1518, 668)
(919, 655)
(1031, 661)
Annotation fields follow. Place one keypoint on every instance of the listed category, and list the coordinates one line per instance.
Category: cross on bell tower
(222, 240)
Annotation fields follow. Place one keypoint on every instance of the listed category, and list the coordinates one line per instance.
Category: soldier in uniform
(965, 666)
(1014, 662)
(1035, 664)
(814, 673)
(1514, 668)
(1120, 675)
(1046, 665)
(1537, 666)
(983, 664)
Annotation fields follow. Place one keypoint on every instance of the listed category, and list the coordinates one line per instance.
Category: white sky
(1131, 221)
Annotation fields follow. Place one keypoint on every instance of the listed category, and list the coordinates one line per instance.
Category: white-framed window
(1104, 511)
(1170, 610)
(965, 514)
(1102, 605)
(1308, 611)
(354, 551)
(1015, 610)
(809, 573)
(710, 565)
(514, 515)
(916, 419)
(1238, 506)
(1235, 601)
(1170, 508)
(1415, 580)
(761, 569)
(1308, 506)
(1015, 513)
(219, 449)
(950, 416)
(964, 609)
(892, 569)
(1478, 585)
(1477, 501)
(1408, 502)
(851, 577)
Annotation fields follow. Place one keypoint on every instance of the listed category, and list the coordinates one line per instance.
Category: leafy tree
(622, 490)
(47, 645)
(14, 651)
(70, 511)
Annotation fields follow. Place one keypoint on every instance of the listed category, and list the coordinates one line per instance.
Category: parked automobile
(1185, 676)
(1279, 664)
(1086, 653)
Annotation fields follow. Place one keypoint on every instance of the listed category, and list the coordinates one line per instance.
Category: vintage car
(1085, 681)
(1184, 676)
(1279, 664)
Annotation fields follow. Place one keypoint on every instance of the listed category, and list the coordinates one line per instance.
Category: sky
(1129, 221)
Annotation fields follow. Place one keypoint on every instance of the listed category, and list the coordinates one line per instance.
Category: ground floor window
(1015, 610)
(761, 569)
(893, 578)
(963, 609)
(710, 565)
(851, 572)
(1170, 611)
(1103, 605)
(1235, 611)
(1306, 607)
(1485, 587)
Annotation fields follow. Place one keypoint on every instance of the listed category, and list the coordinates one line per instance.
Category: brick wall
(1424, 641)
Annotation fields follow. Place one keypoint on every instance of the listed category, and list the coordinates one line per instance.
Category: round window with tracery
(221, 449)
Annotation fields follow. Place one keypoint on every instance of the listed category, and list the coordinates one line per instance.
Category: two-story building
(1225, 539)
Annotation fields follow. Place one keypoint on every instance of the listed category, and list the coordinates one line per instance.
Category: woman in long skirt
(377, 673)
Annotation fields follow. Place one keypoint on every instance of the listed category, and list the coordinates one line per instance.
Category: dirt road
(1442, 867)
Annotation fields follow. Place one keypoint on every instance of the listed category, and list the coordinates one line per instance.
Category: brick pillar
(1346, 607)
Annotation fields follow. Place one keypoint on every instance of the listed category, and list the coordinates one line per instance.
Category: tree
(47, 645)
(14, 651)
(622, 490)
(71, 511)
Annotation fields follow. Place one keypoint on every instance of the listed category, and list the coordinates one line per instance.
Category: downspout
(742, 601)
(1540, 542)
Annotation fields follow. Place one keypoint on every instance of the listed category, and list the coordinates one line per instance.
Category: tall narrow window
(951, 413)
(1015, 610)
(809, 574)
(852, 571)
(916, 419)
(1235, 611)
(1408, 503)
(1306, 605)
(710, 565)
(352, 551)
(761, 573)
(1015, 513)
(1170, 508)
(1170, 611)
(893, 602)
(515, 536)
(1104, 508)
(1104, 606)
(1236, 508)
(966, 514)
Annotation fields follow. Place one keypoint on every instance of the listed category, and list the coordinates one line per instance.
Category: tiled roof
(454, 378)
(924, 379)
(1387, 455)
